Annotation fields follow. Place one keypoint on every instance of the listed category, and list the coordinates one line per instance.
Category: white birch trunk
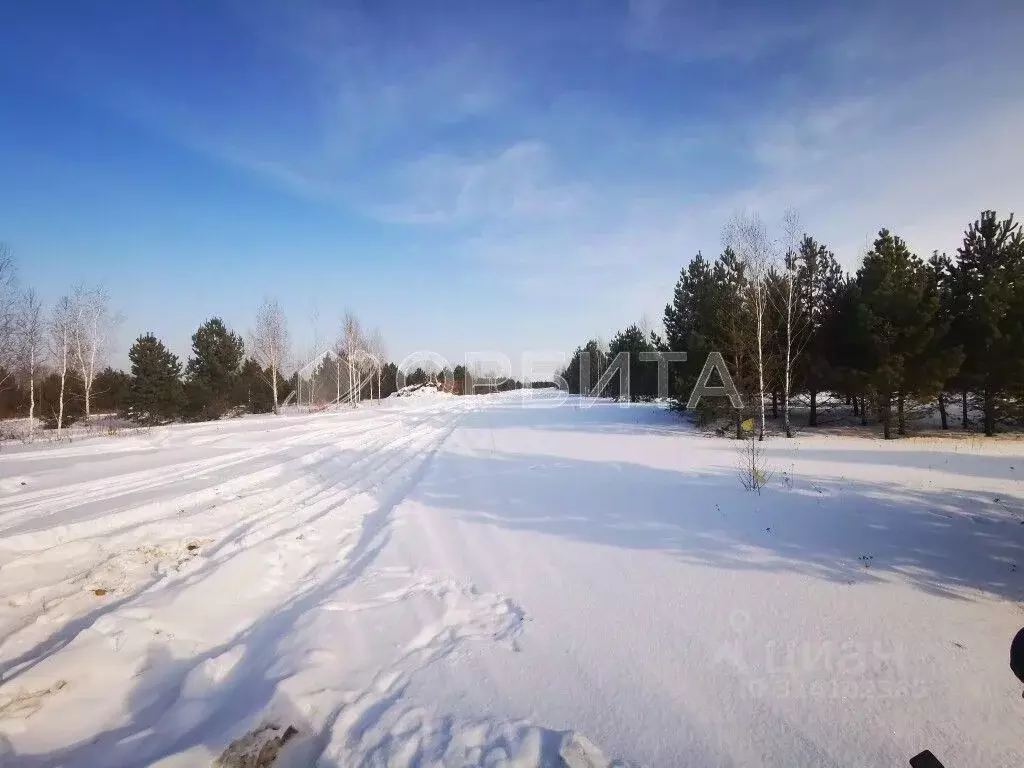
(63, 379)
(32, 392)
(789, 355)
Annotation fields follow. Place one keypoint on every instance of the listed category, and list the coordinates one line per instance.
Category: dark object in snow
(1017, 655)
(925, 760)
(99, 592)
(192, 547)
(257, 749)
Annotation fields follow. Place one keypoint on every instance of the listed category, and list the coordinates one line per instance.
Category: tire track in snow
(391, 473)
(232, 539)
(26, 508)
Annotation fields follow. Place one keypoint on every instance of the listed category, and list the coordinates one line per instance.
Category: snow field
(476, 581)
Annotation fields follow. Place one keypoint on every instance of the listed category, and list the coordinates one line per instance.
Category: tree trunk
(760, 371)
(273, 385)
(812, 420)
(60, 407)
(856, 404)
(88, 394)
(863, 411)
(739, 425)
(789, 357)
(963, 409)
(848, 401)
(901, 422)
(942, 410)
(775, 405)
(990, 413)
(887, 417)
(32, 397)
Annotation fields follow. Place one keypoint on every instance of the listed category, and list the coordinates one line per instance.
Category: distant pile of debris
(428, 389)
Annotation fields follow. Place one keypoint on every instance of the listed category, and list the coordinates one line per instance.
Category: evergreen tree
(592, 357)
(731, 330)
(459, 372)
(819, 280)
(418, 376)
(844, 344)
(388, 379)
(690, 320)
(110, 391)
(643, 376)
(217, 354)
(990, 272)
(155, 393)
(897, 314)
(252, 387)
(944, 355)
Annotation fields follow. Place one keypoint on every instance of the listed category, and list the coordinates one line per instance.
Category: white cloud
(518, 182)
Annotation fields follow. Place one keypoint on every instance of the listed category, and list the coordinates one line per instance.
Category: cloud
(516, 183)
(592, 155)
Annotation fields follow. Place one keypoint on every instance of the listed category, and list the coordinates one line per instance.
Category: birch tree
(91, 330)
(748, 238)
(788, 305)
(60, 332)
(352, 343)
(271, 341)
(31, 339)
(378, 351)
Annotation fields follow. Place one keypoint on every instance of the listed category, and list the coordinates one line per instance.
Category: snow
(506, 580)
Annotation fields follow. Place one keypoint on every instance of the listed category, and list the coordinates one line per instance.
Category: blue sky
(481, 175)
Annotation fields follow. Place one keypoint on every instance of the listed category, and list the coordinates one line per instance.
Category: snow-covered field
(463, 581)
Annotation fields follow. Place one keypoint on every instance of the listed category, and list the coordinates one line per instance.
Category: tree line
(53, 364)
(899, 334)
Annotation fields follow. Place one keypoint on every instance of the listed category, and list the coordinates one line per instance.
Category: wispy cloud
(600, 149)
(517, 183)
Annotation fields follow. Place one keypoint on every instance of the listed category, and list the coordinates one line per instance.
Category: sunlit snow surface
(474, 580)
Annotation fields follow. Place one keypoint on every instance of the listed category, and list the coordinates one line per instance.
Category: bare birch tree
(352, 342)
(92, 327)
(788, 305)
(60, 331)
(31, 339)
(748, 238)
(378, 349)
(271, 341)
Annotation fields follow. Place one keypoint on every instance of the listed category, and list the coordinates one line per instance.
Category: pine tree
(730, 329)
(252, 387)
(591, 357)
(944, 356)
(217, 355)
(898, 314)
(689, 324)
(155, 392)
(820, 279)
(388, 379)
(110, 390)
(990, 298)
(643, 376)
